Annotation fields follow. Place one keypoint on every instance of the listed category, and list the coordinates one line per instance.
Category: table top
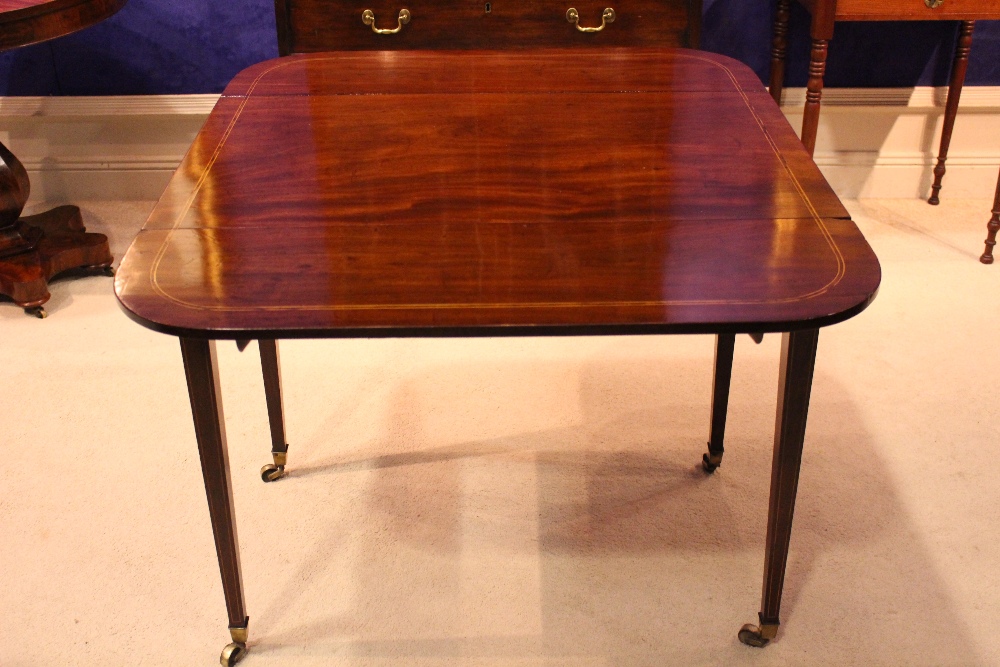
(524, 192)
(24, 22)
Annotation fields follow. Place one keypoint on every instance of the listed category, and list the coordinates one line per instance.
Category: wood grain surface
(24, 22)
(324, 25)
(496, 193)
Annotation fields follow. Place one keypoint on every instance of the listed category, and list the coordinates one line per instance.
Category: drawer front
(917, 10)
(326, 25)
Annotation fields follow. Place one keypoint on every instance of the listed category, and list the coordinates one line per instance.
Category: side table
(825, 13)
(35, 248)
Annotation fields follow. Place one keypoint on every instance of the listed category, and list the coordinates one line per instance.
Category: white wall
(872, 142)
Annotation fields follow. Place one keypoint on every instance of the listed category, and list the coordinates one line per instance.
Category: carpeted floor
(513, 502)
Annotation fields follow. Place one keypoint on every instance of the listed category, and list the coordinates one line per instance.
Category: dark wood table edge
(499, 331)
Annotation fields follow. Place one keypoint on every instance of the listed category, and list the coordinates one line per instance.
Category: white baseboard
(872, 142)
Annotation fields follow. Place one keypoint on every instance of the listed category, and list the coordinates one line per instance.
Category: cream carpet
(513, 502)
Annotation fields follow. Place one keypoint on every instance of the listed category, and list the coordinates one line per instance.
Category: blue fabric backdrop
(196, 46)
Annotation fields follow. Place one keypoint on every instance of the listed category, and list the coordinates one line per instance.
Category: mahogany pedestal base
(64, 244)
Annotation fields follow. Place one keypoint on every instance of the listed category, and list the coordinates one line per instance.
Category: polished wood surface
(323, 25)
(63, 244)
(24, 22)
(33, 249)
(482, 193)
(915, 10)
(825, 14)
(497, 193)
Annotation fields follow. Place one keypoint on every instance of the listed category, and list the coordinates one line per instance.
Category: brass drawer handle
(607, 17)
(368, 18)
(933, 4)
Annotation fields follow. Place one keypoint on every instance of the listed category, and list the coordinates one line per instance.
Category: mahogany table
(35, 248)
(489, 193)
(825, 13)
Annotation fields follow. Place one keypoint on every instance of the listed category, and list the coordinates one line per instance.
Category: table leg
(202, 373)
(275, 410)
(779, 50)
(798, 358)
(814, 93)
(724, 346)
(991, 228)
(958, 68)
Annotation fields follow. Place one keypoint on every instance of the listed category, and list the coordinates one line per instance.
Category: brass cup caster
(37, 311)
(232, 654)
(271, 472)
(276, 470)
(710, 461)
(758, 636)
(236, 651)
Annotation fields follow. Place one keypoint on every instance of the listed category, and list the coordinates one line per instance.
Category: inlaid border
(282, 63)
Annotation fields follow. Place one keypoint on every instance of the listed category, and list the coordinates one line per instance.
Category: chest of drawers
(342, 25)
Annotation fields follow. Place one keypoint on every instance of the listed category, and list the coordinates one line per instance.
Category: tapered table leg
(814, 93)
(798, 358)
(991, 228)
(958, 69)
(275, 410)
(779, 50)
(724, 347)
(202, 373)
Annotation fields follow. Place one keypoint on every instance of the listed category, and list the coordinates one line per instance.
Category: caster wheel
(751, 636)
(109, 271)
(271, 472)
(707, 465)
(933, 200)
(232, 654)
(37, 311)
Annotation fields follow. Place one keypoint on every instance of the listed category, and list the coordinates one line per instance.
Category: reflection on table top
(487, 193)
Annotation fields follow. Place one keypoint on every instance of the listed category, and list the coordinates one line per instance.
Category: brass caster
(232, 654)
(757, 636)
(271, 472)
(37, 311)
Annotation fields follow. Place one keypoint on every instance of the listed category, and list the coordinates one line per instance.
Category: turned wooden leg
(275, 410)
(798, 358)
(814, 93)
(779, 51)
(724, 346)
(991, 228)
(958, 68)
(202, 373)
